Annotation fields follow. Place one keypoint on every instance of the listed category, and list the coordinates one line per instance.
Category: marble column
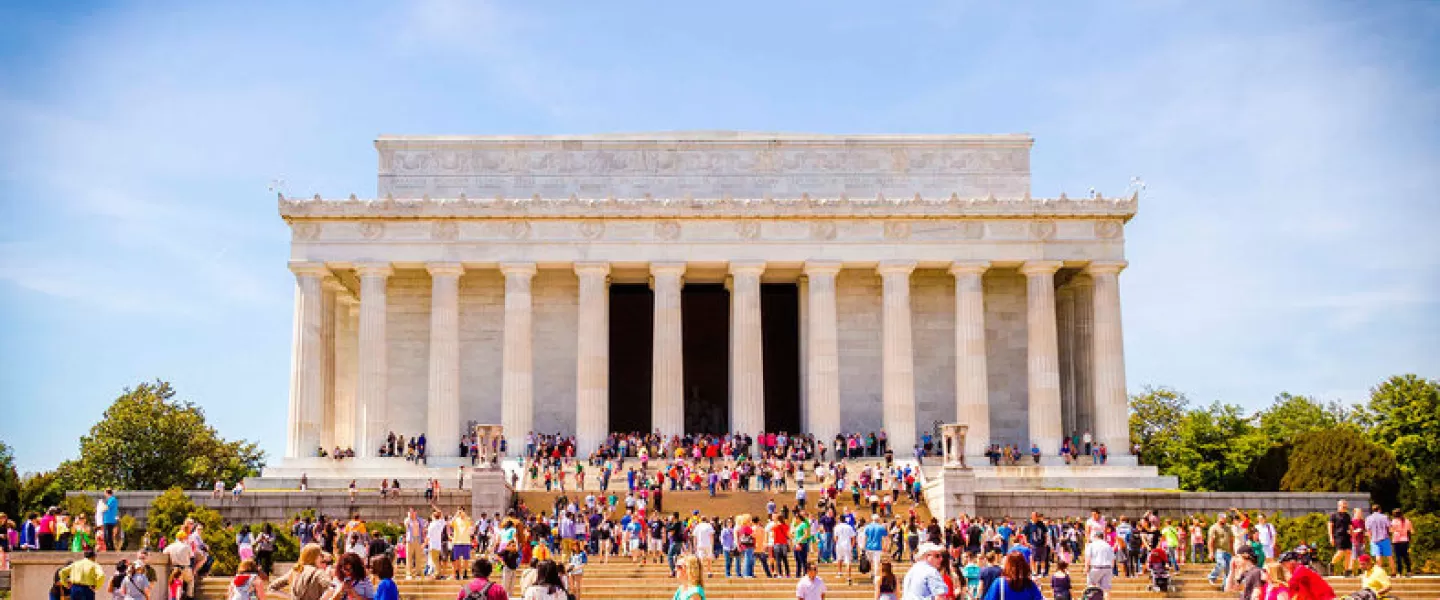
(442, 417)
(1044, 363)
(307, 372)
(1065, 335)
(972, 387)
(747, 365)
(592, 368)
(667, 390)
(517, 377)
(371, 385)
(1085, 348)
(822, 356)
(347, 425)
(898, 357)
(1111, 405)
(330, 305)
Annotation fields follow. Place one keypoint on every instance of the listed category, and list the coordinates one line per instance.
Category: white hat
(927, 548)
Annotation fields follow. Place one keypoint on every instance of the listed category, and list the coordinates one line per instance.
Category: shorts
(460, 552)
(1342, 543)
(634, 545)
(843, 553)
(1100, 577)
(1381, 548)
(704, 553)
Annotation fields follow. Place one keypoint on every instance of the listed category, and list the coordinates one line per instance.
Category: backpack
(481, 594)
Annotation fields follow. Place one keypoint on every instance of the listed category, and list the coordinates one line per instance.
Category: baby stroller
(1159, 565)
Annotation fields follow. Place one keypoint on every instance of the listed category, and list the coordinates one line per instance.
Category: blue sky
(1286, 241)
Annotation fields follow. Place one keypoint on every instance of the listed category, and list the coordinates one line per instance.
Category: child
(577, 570)
(1060, 581)
(177, 583)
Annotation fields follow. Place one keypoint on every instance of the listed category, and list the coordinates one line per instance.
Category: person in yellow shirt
(84, 577)
(1373, 577)
(461, 528)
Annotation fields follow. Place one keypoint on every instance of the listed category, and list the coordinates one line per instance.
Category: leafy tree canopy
(1404, 413)
(1341, 460)
(1155, 417)
(1291, 416)
(9, 482)
(1214, 447)
(149, 440)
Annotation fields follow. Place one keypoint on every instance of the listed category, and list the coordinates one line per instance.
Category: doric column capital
(375, 269)
(331, 283)
(445, 269)
(1105, 267)
(822, 268)
(311, 269)
(747, 267)
(592, 268)
(896, 267)
(969, 267)
(676, 269)
(518, 269)
(1040, 267)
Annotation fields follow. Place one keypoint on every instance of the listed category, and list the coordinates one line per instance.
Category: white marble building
(931, 287)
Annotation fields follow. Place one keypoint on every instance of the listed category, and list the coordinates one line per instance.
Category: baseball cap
(927, 548)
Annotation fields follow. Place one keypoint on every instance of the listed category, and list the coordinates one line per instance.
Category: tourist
(350, 580)
(481, 587)
(575, 574)
(923, 581)
(1338, 528)
(844, 548)
(1060, 581)
(885, 583)
(461, 528)
(1221, 542)
(1373, 577)
(1400, 530)
(247, 582)
(547, 584)
(175, 587)
(810, 586)
(1099, 563)
(692, 579)
(182, 558)
(874, 536)
(434, 538)
(1377, 529)
(509, 557)
(703, 540)
(1303, 582)
(1276, 587)
(1015, 582)
(1248, 576)
(414, 539)
(309, 579)
(384, 572)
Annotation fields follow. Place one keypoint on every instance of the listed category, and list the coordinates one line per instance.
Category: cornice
(702, 208)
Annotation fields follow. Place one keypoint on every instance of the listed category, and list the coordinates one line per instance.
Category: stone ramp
(626, 581)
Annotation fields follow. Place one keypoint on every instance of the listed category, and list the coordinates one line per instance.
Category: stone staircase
(621, 580)
(725, 504)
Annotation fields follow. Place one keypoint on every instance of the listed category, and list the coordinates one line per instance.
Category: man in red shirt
(1305, 583)
(780, 545)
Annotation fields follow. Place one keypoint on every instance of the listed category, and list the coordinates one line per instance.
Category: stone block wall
(1006, 347)
(1079, 503)
(932, 313)
(407, 332)
(556, 297)
(857, 316)
(279, 507)
(482, 330)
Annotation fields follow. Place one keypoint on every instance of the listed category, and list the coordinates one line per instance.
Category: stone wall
(407, 332)
(1006, 347)
(557, 318)
(482, 329)
(932, 313)
(1078, 503)
(857, 315)
(279, 507)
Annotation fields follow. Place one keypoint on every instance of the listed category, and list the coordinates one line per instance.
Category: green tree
(1342, 460)
(1290, 416)
(9, 483)
(1404, 413)
(1213, 448)
(1155, 417)
(39, 491)
(149, 440)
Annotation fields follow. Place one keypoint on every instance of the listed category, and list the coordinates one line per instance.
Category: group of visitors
(56, 529)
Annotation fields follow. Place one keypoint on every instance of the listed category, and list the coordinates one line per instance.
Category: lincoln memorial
(709, 281)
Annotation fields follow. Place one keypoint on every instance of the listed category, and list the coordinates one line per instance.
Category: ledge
(701, 208)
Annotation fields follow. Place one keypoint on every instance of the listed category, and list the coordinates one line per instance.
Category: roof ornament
(317, 198)
(353, 198)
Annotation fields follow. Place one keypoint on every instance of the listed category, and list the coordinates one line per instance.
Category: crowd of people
(56, 529)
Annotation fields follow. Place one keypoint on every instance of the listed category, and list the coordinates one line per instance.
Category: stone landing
(326, 473)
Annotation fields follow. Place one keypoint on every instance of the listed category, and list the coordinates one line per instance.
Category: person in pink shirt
(1400, 530)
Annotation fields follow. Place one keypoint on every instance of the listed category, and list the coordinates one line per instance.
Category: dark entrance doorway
(780, 336)
(632, 324)
(705, 320)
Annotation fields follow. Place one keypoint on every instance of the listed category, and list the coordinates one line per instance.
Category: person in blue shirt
(110, 519)
(874, 535)
(384, 572)
(1005, 532)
